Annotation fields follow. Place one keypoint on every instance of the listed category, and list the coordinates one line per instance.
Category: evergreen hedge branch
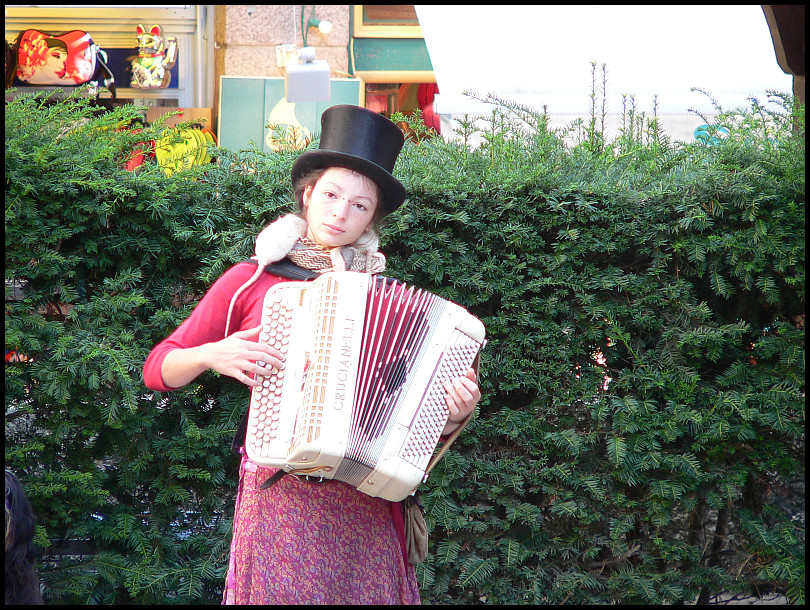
(641, 435)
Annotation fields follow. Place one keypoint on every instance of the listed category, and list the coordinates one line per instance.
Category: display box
(188, 114)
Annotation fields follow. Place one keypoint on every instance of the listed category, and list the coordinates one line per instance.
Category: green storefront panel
(247, 105)
(391, 54)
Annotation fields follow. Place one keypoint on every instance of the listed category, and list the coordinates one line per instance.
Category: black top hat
(362, 140)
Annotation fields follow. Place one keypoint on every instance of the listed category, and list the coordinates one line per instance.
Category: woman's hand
(463, 394)
(235, 356)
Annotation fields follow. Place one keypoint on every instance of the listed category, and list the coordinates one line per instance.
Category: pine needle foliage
(643, 415)
(643, 412)
(101, 264)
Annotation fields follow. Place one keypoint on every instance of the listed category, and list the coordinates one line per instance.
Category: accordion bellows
(361, 398)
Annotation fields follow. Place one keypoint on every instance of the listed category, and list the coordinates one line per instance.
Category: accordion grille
(311, 420)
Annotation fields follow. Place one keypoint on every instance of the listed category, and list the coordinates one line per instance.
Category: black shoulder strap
(104, 76)
(288, 269)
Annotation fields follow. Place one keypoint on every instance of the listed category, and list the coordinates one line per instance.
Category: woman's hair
(312, 177)
(56, 43)
(22, 583)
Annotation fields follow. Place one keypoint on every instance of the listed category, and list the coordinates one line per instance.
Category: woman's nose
(341, 208)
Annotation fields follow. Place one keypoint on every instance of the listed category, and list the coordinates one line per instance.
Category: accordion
(361, 398)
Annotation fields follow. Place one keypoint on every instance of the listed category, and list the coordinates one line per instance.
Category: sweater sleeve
(206, 323)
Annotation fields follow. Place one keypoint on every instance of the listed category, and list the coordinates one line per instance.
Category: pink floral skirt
(303, 542)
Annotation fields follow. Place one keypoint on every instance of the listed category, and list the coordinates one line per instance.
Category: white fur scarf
(287, 235)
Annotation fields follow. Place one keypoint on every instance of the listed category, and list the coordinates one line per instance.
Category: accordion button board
(361, 398)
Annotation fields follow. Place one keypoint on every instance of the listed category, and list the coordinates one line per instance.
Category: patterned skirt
(302, 542)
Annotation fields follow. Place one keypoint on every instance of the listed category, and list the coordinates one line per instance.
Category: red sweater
(207, 324)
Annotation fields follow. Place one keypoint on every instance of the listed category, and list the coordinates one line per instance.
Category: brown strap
(273, 479)
(446, 445)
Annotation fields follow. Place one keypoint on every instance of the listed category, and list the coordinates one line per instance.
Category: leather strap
(287, 269)
(273, 479)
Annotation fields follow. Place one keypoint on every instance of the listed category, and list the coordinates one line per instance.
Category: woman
(298, 541)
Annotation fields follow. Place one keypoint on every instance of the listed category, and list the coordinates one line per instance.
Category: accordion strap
(446, 445)
(287, 269)
(273, 479)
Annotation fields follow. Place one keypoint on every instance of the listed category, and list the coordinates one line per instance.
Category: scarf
(320, 259)
(287, 237)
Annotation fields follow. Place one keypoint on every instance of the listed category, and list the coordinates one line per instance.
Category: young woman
(300, 541)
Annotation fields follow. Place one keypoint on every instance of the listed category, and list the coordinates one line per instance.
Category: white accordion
(361, 398)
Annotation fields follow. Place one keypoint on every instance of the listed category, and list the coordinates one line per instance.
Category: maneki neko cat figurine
(151, 69)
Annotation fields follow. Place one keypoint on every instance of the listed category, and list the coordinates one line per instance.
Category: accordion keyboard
(431, 418)
(264, 421)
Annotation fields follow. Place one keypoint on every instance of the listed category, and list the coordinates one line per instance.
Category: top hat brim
(393, 191)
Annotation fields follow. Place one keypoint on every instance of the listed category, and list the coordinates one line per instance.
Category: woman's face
(339, 207)
(55, 61)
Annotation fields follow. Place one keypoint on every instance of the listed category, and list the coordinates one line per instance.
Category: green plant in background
(101, 264)
(641, 435)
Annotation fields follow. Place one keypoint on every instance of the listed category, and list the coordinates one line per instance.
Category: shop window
(113, 28)
(406, 98)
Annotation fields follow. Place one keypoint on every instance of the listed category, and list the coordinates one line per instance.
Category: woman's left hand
(463, 394)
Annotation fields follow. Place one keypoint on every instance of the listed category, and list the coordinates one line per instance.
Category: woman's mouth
(333, 229)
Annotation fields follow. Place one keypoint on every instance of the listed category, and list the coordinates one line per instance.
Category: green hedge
(675, 270)
(683, 266)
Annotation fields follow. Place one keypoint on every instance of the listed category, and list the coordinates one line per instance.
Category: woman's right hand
(240, 354)
(236, 356)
